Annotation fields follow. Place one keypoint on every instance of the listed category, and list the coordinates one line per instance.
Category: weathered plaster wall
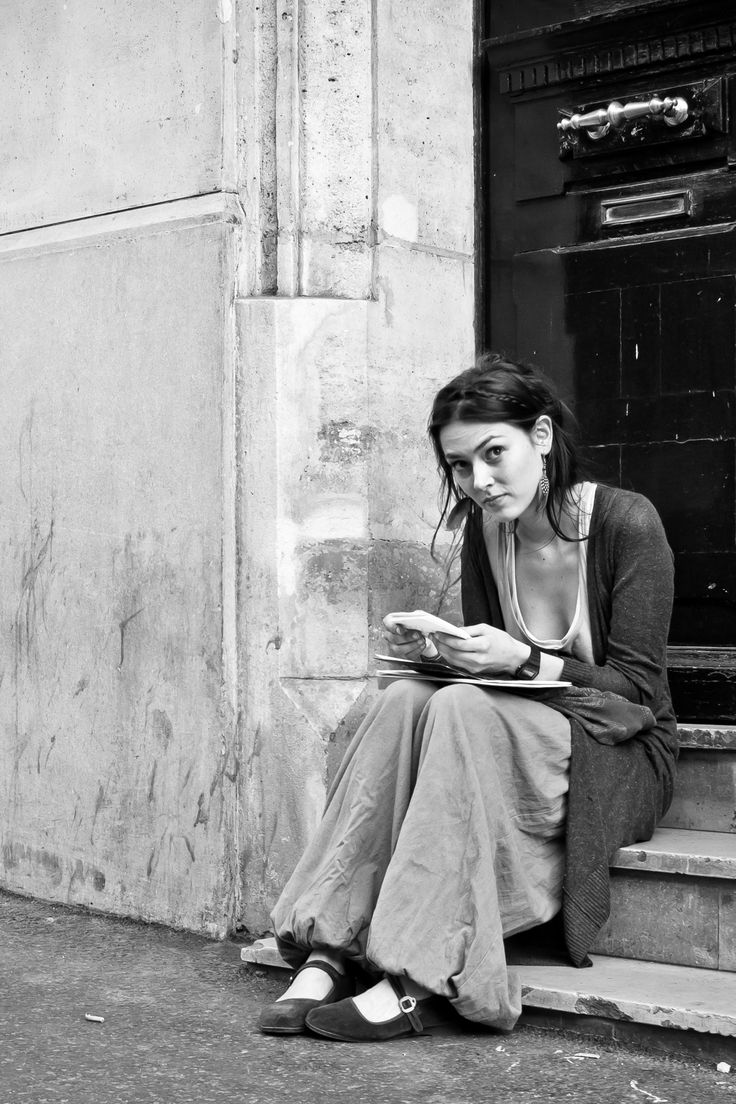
(340, 490)
(215, 480)
(109, 106)
(117, 733)
(118, 668)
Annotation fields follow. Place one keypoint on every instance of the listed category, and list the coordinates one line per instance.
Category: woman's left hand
(488, 652)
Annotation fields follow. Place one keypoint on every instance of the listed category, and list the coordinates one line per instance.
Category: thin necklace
(528, 551)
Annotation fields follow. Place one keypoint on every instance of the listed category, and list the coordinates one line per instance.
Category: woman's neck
(534, 529)
(532, 537)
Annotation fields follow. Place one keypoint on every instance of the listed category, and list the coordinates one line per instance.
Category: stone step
(681, 851)
(705, 792)
(672, 901)
(716, 737)
(615, 994)
(678, 998)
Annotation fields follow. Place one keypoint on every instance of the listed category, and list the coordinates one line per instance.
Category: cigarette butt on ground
(94, 1019)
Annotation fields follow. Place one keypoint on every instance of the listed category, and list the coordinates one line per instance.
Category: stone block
(424, 331)
(310, 478)
(662, 920)
(325, 618)
(705, 791)
(336, 265)
(672, 900)
(263, 952)
(420, 335)
(426, 191)
(336, 148)
(108, 107)
(117, 737)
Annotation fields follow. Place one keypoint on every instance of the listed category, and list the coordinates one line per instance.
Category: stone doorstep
(682, 851)
(618, 989)
(707, 737)
(658, 994)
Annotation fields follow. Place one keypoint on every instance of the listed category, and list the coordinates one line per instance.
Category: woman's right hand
(403, 643)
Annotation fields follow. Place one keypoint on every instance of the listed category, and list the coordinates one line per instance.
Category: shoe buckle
(407, 1004)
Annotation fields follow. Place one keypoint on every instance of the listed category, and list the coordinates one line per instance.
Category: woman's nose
(482, 477)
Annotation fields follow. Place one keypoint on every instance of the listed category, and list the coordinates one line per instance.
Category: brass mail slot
(659, 205)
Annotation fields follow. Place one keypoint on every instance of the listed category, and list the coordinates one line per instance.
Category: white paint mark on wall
(197, 108)
(399, 218)
(287, 541)
(340, 516)
(224, 10)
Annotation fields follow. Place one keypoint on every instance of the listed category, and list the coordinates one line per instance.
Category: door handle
(673, 110)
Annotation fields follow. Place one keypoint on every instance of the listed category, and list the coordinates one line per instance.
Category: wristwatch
(529, 669)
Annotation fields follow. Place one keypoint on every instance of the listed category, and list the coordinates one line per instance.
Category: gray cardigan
(617, 793)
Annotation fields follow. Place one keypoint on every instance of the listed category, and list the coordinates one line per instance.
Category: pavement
(179, 1026)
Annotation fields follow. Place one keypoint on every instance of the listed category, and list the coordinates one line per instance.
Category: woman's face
(498, 465)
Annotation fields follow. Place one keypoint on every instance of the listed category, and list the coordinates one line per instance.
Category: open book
(436, 669)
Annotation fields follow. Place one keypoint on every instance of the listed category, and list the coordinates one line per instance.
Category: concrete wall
(118, 752)
(251, 268)
(109, 106)
(117, 736)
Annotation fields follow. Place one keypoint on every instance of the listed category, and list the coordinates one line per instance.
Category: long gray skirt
(442, 834)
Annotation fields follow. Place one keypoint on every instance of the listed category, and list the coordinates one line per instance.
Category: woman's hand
(403, 643)
(488, 652)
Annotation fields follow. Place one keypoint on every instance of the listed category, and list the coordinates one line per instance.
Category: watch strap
(529, 669)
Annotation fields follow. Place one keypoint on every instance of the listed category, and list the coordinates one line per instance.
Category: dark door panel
(611, 251)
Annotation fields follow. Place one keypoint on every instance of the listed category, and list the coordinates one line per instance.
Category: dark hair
(500, 390)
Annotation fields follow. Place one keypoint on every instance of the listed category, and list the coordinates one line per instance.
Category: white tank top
(501, 549)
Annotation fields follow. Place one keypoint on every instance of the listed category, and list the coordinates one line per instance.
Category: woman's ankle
(334, 958)
(412, 989)
(314, 984)
(381, 1003)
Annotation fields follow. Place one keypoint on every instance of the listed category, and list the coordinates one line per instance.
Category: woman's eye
(494, 452)
(459, 466)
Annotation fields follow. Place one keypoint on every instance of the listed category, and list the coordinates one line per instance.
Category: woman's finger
(455, 643)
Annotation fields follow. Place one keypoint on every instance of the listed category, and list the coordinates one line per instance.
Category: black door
(609, 197)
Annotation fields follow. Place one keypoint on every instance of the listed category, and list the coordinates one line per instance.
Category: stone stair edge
(658, 994)
(705, 737)
(690, 851)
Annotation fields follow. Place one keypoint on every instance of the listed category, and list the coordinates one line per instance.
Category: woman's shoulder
(618, 509)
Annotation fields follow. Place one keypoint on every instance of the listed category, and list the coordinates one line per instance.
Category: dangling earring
(544, 481)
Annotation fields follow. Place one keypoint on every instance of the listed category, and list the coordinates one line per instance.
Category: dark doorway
(609, 258)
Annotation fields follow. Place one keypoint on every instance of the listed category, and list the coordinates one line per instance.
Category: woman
(461, 815)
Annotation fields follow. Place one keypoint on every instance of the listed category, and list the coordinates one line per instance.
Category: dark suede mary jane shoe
(345, 1022)
(287, 1017)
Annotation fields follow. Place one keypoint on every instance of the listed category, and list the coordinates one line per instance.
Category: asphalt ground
(179, 1026)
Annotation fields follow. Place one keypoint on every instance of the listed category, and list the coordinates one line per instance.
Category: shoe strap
(407, 1004)
(319, 964)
